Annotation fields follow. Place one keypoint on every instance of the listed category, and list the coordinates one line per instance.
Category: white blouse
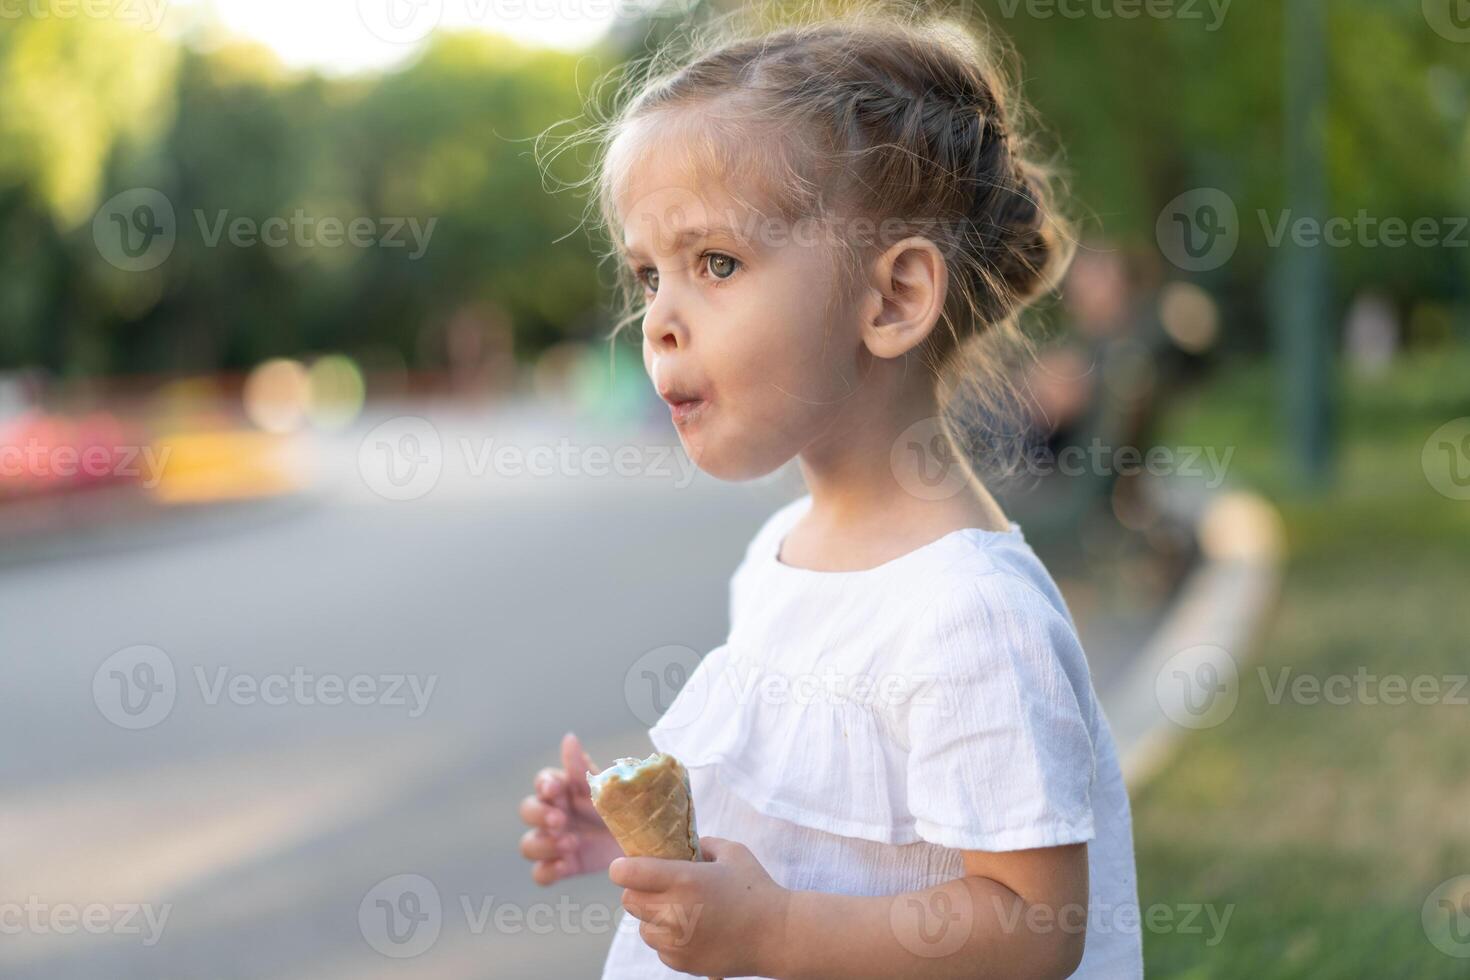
(857, 730)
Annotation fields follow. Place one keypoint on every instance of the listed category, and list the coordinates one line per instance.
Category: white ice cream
(624, 768)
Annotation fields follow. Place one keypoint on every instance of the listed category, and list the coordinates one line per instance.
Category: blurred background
(326, 506)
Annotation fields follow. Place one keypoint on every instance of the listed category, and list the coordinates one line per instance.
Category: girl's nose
(663, 339)
(664, 331)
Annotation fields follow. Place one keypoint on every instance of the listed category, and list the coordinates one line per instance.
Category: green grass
(1327, 826)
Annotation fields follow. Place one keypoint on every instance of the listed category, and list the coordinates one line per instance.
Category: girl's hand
(567, 835)
(721, 917)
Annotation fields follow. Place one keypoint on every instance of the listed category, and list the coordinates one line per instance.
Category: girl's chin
(702, 449)
(723, 467)
(696, 447)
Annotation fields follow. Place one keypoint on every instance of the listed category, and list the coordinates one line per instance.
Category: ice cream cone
(647, 805)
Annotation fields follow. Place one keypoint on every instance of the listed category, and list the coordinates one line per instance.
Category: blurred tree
(448, 139)
(75, 95)
(434, 157)
(1144, 107)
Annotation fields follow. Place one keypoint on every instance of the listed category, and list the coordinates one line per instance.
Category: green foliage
(1143, 109)
(1148, 108)
(228, 135)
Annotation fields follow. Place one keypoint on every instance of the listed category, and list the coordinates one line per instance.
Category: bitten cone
(647, 805)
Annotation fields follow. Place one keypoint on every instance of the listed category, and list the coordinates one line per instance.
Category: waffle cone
(652, 813)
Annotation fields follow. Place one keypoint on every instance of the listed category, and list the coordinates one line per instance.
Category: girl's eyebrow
(692, 233)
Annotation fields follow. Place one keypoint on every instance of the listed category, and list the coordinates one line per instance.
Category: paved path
(261, 829)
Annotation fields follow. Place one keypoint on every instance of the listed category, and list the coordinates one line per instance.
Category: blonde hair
(895, 115)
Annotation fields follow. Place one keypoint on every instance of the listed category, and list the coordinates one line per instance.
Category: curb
(1220, 607)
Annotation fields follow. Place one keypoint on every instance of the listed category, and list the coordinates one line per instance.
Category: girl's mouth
(687, 412)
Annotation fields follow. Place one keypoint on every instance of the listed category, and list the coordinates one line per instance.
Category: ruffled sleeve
(998, 729)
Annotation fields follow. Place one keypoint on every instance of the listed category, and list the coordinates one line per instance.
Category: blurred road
(216, 805)
(263, 826)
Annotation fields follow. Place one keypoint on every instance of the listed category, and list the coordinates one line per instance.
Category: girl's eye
(720, 265)
(724, 261)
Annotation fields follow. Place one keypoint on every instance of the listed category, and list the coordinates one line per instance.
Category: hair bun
(1027, 252)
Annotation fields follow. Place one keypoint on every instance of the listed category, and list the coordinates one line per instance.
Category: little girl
(898, 763)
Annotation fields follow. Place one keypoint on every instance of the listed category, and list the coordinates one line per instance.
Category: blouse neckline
(773, 553)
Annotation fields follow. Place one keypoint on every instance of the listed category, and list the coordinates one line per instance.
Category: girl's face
(737, 317)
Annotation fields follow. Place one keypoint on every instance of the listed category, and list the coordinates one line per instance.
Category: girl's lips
(686, 412)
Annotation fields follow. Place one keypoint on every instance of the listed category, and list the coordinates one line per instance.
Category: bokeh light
(1190, 316)
(276, 395)
(337, 391)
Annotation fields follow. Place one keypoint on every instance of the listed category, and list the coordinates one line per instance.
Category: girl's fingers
(540, 814)
(550, 872)
(544, 873)
(576, 763)
(647, 906)
(538, 845)
(533, 811)
(541, 844)
(555, 795)
(550, 784)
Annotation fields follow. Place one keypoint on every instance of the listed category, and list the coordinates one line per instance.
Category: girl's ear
(907, 287)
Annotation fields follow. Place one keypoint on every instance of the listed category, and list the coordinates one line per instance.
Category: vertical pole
(1302, 302)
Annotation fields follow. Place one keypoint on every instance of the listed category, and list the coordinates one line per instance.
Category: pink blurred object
(1062, 384)
(1096, 292)
(43, 454)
